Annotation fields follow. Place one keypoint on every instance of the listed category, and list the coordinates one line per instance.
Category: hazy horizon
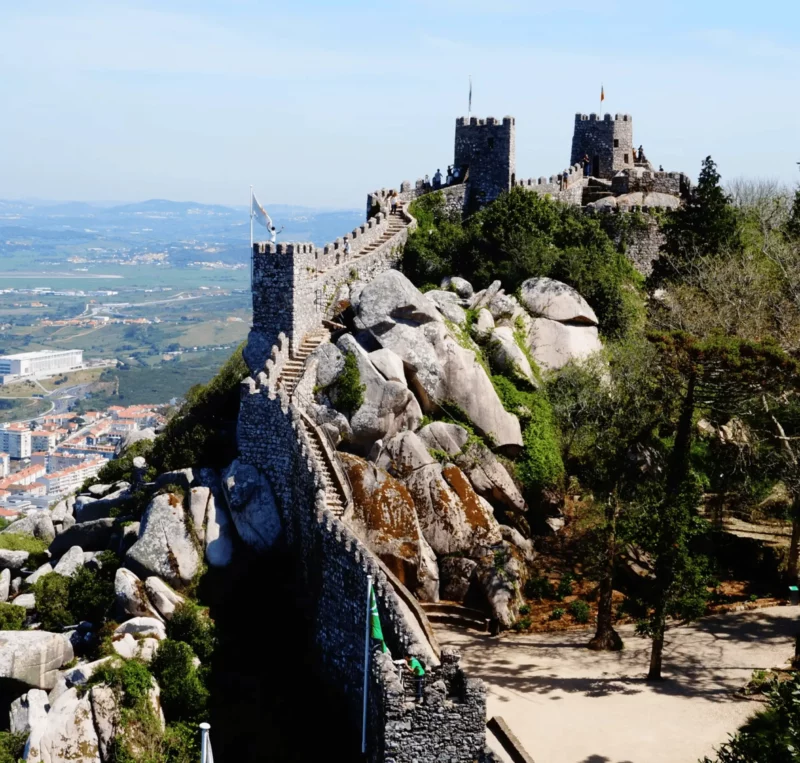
(315, 106)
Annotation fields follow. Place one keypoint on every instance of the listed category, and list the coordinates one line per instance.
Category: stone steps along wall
(294, 283)
(333, 566)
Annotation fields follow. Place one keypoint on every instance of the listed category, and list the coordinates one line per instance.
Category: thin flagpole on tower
(469, 105)
(251, 220)
(366, 667)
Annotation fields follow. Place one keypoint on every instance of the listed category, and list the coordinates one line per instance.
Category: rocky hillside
(433, 400)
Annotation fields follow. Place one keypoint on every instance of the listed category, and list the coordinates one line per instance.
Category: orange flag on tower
(602, 94)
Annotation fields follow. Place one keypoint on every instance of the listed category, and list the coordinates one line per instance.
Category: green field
(21, 409)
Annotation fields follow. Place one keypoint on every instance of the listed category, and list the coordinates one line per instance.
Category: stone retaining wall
(333, 565)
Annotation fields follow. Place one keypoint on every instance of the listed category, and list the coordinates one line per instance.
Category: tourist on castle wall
(587, 165)
(347, 247)
(437, 179)
(414, 666)
(394, 202)
(449, 174)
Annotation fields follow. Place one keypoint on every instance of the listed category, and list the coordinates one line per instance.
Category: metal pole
(204, 729)
(366, 667)
(251, 221)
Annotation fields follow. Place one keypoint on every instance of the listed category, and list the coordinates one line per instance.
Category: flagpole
(366, 666)
(251, 221)
(469, 107)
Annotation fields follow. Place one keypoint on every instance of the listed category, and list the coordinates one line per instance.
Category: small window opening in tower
(616, 142)
(491, 143)
(626, 158)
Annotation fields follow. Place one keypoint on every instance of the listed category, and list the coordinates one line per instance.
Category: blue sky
(317, 102)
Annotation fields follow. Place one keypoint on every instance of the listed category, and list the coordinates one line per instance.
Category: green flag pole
(367, 629)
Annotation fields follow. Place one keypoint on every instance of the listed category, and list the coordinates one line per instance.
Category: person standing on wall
(587, 165)
(437, 179)
(414, 666)
(394, 202)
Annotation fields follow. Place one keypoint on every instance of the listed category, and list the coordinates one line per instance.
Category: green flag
(375, 629)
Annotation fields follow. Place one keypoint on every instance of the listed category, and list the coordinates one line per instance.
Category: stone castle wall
(333, 565)
(649, 182)
(294, 284)
(550, 186)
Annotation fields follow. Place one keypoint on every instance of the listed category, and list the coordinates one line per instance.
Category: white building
(16, 441)
(38, 364)
(5, 465)
(71, 478)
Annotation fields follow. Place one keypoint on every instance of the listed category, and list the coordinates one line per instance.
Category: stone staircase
(396, 223)
(450, 613)
(293, 368)
(595, 189)
(335, 497)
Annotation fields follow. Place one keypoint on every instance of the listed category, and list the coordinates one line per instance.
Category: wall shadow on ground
(267, 702)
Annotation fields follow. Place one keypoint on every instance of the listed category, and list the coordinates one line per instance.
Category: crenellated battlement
(488, 121)
(603, 117)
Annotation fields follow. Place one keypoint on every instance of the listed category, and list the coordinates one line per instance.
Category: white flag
(259, 213)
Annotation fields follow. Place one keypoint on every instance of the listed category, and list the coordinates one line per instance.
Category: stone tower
(487, 148)
(608, 143)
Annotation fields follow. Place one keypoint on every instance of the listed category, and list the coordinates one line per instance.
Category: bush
(770, 736)
(525, 609)
(52, 601)
(11, 617)
(580, 611)
(564, 587)
(203, 431)
(348, 391)
(523, 235)
(19, 542)
(91, 593)
(130, 680)
(12, 746)
(121, 468)
(539, 588)
(557, 613)
(183, 694)
(522, 624)
(192, 625)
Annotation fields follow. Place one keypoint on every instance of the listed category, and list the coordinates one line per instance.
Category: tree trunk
(657, 650)
(606, 638)
(794, 547)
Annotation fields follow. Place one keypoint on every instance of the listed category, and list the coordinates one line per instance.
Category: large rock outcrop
(37, 524)
(389, 406)
(252, 505)
(452, 516)
(33, 657)
(67, 735)
(564, 327)
(383, 515)
(441, 371)
(166, 546)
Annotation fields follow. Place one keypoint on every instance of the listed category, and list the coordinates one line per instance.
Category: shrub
(11, 617)
(522, 624)
(203, 431)
(525, 609)
(557, 613)
(539, 588)
(183, 695)
(121, 468)
(564, 587)
(19, 542)
(52, 601)
(130, 680)
(580, 611)
(12, 746)
(192, 625)
(91, 593)
(348, 391)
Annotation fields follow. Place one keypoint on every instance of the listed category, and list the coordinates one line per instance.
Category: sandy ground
(569, 705)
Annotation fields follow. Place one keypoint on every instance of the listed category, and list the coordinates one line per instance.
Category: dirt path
(569, 705)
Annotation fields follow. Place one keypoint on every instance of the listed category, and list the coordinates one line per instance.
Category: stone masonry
(608, 143)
